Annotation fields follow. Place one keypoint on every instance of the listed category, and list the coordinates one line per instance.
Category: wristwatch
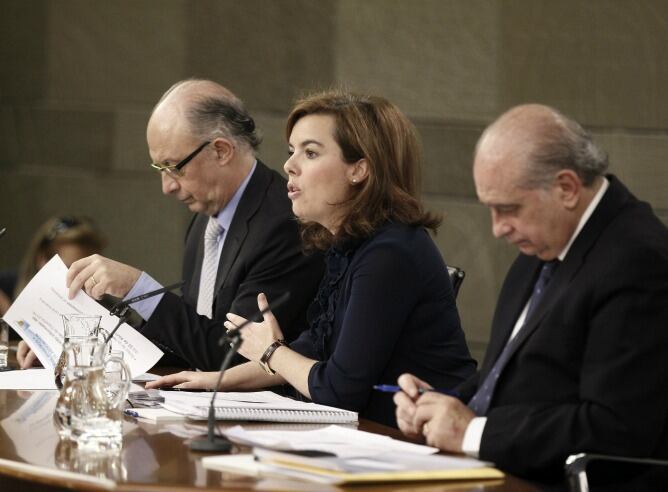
(264, 360)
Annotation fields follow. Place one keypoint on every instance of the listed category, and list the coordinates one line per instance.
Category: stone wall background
(79, 78)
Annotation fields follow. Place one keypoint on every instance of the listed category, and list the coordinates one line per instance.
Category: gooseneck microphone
(212, 442)
(122, 308)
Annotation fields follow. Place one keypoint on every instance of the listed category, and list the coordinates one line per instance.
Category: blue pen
(131, 413)
(390, 388)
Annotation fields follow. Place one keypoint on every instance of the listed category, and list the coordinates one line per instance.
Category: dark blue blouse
(384, 307)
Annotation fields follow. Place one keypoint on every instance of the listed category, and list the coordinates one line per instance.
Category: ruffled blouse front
(322, 310)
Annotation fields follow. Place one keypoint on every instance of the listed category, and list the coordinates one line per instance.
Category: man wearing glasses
(243, 239)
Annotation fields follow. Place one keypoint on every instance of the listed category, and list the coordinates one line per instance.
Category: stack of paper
(339, 455)
(255, 406)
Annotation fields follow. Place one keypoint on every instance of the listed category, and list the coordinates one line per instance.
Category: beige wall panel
(144, 228)
(22, 50)
(9, 136)
(130, 151)
(274, 149)
(64, 137)
(433, 58)
(266, 51)
(641, 162)
(448, 157)
(663, 215)
(465, 240)
(114, 52)
(601, 61)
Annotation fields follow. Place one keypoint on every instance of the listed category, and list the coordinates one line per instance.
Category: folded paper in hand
(35, 316)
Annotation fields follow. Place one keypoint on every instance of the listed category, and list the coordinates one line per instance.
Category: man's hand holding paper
(35, 316)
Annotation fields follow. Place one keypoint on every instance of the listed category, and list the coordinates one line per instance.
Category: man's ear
(225, 150)
(358, 172)
(569, 188)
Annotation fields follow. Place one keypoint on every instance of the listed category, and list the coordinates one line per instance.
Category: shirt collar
(226, 215)
(585, 216)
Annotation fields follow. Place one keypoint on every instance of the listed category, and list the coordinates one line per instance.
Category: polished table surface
(153, 457)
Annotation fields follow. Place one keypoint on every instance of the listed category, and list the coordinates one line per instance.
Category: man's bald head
(542, 141)
(208, 111)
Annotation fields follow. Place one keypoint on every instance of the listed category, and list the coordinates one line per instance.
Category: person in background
(385, 305)
(577, 356)
(71, 237)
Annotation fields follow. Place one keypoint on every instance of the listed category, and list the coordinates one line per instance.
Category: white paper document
(342, 441)
(255, 406)
(28, 379)
(36, 317)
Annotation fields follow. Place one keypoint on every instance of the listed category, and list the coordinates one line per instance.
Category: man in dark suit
(576, 360)
(243, 239)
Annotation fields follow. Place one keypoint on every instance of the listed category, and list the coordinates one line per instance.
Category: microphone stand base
(218, 444)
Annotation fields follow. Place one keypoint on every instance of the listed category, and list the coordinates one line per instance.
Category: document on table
(28, 379)
(35, 316)
(258, 406)
(340, 455)
(344, 442)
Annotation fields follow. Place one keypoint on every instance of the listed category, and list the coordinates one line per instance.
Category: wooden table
(152, 458)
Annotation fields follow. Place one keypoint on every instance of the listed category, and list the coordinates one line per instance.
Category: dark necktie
(482, 398)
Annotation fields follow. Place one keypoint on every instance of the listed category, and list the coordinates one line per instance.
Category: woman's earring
(354, 181)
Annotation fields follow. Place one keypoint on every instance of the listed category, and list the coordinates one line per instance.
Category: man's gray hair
(216, 112)
(212, 117)
(564, 144)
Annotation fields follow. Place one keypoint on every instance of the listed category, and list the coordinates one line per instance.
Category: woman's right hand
(186, 380)
(25, 356)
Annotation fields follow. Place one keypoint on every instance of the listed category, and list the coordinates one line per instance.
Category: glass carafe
(85, 411)
(75, 327)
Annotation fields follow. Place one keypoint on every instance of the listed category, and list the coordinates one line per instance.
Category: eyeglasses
(174, 170)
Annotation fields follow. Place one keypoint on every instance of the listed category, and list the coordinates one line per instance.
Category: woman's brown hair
(374, 129)
(53, 234)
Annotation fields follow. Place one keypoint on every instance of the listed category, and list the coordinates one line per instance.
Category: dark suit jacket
(261, 253)
(590, 373)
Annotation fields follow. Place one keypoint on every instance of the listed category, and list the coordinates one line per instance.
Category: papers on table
(260, 406)
(341, 441)
(28, 379)
(35, 316)
(340, 455)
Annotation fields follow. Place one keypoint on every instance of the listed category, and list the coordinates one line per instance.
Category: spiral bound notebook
(280, 409)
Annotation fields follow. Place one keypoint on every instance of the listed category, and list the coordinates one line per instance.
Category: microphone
(2, 231)
(212, 442)
(122, 308)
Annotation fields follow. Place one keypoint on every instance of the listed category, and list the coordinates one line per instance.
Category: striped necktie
(207, 280)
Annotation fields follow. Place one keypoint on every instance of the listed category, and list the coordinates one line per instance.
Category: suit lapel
(194, 250)
(521, 278)
(248, 205)
(612, 201)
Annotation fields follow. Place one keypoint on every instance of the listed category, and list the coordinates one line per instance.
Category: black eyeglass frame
(175, 169)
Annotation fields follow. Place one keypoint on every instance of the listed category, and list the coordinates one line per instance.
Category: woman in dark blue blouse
(385, 305)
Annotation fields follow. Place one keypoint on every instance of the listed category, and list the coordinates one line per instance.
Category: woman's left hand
(256, 336)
